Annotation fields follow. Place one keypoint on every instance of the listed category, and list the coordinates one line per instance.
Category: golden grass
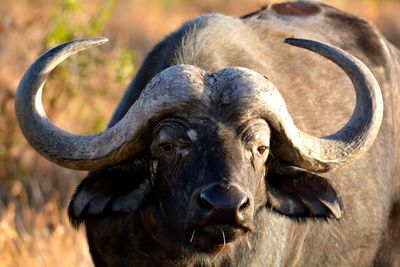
(39, 237)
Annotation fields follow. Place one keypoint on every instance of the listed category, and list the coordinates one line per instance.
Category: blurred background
(83, 91)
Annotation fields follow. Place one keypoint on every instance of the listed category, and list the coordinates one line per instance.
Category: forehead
(194, 129)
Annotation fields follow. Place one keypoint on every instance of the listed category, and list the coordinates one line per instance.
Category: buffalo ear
(298, 193)
(118, 189)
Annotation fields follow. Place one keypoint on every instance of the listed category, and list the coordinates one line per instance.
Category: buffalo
(214, 156)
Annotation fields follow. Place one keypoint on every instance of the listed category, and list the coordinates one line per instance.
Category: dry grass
(34, 229)
(39, 237)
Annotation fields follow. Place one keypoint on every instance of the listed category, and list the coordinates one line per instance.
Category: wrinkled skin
(287, 221)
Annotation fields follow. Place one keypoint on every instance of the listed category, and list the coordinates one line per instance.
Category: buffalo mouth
(211, 238)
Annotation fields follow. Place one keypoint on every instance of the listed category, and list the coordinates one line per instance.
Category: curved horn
(359, 133)
(93, 152)
(255, 96)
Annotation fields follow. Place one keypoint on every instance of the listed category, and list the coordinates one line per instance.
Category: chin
(216, 239)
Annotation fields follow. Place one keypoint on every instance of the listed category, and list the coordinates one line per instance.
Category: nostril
(245, 204)
(223, 199)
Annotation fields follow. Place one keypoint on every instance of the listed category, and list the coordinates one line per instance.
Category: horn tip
(81, 44)
(101, 40)
(95, 41)
(295, 41)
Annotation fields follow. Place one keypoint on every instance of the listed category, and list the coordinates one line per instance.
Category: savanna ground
(81, 95)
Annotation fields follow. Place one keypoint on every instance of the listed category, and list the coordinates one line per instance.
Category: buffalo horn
(319, 154)
(125, 139)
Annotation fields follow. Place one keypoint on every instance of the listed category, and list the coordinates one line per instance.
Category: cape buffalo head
(200, 153)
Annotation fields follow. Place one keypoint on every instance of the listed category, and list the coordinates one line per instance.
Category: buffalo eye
(262, 149)
(167, 147)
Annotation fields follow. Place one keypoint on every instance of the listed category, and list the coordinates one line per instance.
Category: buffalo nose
(224, 204)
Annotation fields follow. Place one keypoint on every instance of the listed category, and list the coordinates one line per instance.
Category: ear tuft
(121, 188)
(297, 193)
